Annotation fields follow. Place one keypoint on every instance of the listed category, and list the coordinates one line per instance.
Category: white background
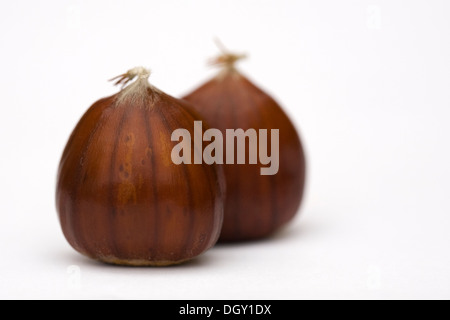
(367, 82)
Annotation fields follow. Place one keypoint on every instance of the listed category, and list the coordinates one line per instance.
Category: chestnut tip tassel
(256, 205)
(120, 198)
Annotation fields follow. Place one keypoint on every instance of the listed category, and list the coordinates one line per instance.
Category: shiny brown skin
(122, 200)
(256, 205)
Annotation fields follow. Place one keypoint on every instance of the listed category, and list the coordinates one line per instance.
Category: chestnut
(256, 205)
(119, 196)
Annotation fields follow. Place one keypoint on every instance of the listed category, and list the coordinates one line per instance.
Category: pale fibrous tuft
(139, 93)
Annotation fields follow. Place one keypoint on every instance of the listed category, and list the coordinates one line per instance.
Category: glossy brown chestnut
(120, 198)
(256, 205)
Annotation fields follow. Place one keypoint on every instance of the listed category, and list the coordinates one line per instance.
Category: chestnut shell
(122, 200)
(256, 205)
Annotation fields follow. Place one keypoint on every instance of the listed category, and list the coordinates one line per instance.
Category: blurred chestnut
(256, 205)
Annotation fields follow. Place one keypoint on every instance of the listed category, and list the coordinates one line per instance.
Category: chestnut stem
(227, 59)
(125, 78)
